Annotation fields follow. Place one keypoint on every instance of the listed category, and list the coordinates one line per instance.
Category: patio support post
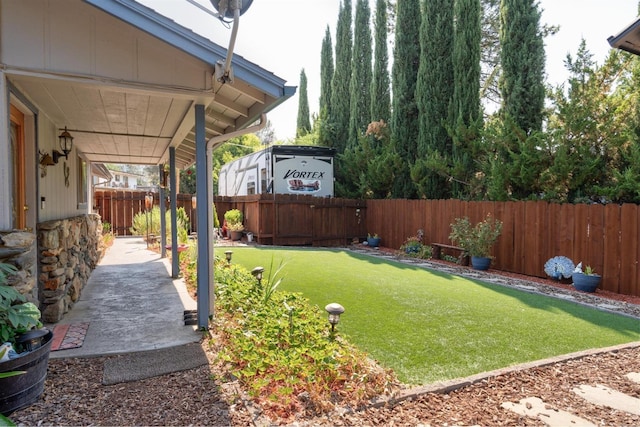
(175, 257)
(204, 212)
(5, 156)
(163, 215)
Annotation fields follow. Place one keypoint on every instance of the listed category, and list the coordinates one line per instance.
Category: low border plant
(279, 347)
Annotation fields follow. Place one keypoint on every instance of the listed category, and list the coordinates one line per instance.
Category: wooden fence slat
(628, 245)
(610, 268)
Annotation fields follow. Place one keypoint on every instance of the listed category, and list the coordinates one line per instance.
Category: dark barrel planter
(585, 282)
(20, 391)
(480, 263)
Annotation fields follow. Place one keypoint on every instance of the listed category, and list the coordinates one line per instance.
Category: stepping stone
(604, 396)
(534, 407)
(634, 376)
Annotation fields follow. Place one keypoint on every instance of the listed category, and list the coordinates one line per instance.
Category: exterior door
(20, 207)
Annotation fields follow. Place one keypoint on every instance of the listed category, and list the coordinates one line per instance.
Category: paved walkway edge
(455, 384)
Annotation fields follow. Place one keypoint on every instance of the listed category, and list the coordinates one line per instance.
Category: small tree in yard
(476, 240)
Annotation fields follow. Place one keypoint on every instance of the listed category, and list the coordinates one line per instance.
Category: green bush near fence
(150, 221)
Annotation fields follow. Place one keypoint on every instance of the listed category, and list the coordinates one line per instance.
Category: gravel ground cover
(74, 394)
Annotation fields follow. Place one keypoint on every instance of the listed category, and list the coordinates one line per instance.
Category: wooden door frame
(18, 185)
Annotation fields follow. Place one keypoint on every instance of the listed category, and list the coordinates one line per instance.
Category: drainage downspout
(213, 143)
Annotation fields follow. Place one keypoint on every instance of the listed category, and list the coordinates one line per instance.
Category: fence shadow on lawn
(553, 304)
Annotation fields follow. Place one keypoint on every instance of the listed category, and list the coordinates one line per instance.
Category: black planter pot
(20, 391)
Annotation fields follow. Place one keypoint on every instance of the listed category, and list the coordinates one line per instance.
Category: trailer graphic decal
(280, 170)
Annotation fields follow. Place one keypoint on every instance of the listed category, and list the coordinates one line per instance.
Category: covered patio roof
(628, 39)
(118, 121)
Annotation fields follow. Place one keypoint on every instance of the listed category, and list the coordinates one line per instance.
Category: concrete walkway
(131, 304)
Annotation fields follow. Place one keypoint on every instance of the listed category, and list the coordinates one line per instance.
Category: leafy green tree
(434, 92)
(381, 83)
(404, 118)
(360, 85)
(375, 161)
(523, 61)
(303, 126)
(591, 148)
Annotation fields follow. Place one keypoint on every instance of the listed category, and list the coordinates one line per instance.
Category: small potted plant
(233, 218)
(476, 240)
(26, 345)
(412, 246)
(373, 240)
(559, 267)
(586, 280)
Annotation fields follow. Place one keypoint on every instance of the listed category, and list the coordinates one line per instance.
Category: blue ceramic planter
(373, 241)
(586, 283)
(480, 263)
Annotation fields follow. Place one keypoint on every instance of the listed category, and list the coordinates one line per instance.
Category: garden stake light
(257, 273)
(228, 255)
(335, 310)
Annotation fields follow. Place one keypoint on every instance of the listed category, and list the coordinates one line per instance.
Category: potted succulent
(234, 217)
(476, 240)
(586, 280)
(559, 267)
(373, 240)
(26, 347)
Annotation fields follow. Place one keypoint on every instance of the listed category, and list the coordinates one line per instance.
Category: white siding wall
(72, 36)
(61, 201)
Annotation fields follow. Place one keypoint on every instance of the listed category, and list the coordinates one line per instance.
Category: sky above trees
(284, 36)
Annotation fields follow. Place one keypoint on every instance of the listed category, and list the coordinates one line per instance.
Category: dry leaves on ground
(74, 395)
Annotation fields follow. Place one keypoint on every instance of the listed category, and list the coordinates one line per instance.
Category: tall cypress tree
(339, 113)
(381, 84)
(404, 118)
(466, 61)
(466, 115)
(326, 70)
(434, 93)
(522, 59)
(326, 75)
(303, 125)
(360, 85)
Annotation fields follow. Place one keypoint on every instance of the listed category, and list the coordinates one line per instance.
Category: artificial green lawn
(429, 326)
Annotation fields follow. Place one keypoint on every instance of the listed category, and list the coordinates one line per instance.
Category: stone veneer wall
(18, 248)
(69, 250)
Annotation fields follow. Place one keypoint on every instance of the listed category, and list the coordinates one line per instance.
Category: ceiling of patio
(118, 124)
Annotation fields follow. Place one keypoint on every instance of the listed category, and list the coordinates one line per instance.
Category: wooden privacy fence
(605, 237)
(118, 207)
(284, 219)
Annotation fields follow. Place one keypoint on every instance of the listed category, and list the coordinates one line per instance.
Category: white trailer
(280, 169)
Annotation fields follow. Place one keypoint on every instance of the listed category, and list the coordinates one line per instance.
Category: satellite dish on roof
(226, 7)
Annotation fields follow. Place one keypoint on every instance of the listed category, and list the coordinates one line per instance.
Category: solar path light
(257, 273)
(335, 310)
